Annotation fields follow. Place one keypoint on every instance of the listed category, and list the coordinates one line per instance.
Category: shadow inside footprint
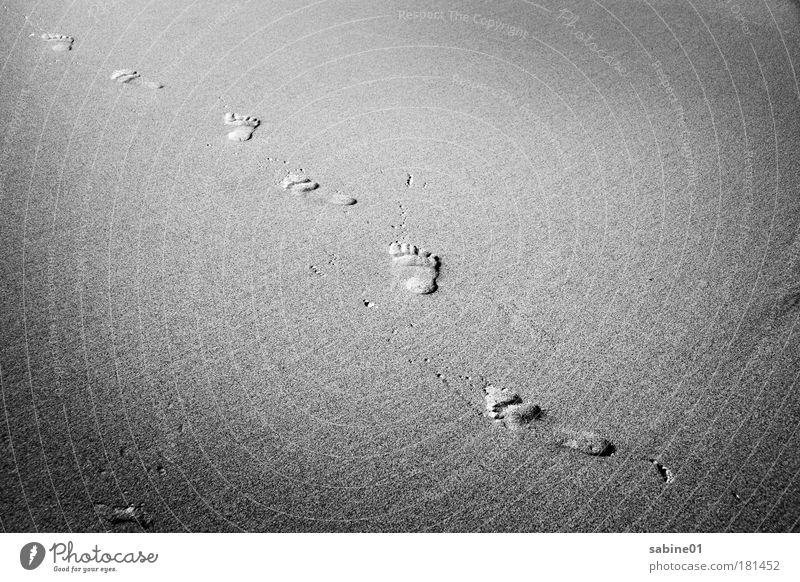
(520, 415)
(790, 300)
(666, 474)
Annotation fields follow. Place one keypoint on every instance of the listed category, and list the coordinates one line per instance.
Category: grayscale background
(612, 187)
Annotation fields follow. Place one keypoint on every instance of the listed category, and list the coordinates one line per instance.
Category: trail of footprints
(418, 270)
(63, 43)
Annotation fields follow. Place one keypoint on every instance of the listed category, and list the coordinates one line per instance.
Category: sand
(610, 193)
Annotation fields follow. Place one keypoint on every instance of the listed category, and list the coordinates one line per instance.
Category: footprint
(58, 42)
(585, 442)
(245, 126)
(519, 415)
(664, 472)
(342, 200)
(298, 183)
(129, 76)
(117, 514)
(498, 399)
(506, 405)
(418, 266)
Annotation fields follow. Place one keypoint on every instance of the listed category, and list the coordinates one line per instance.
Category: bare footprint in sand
(505, 406)
(58, 42)
(664, 472)
(244, 124)
(417, 266)
(508, 407)
(342, 200)
(131, 77)
(297, 182)
(585, 442)
(498, 399)
(116, 514)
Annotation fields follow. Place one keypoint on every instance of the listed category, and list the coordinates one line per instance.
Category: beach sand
(202, 327)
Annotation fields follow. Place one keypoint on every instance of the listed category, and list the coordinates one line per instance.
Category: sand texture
(382, 266)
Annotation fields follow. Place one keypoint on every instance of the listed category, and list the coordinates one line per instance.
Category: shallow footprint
(498, 399)
(419, 267)
(244, 124)
(503, 404)
(297, 182)
(342, 200)
(129, 76)
(585, 442)
(518, 416)
(116, 514)
(58, 42)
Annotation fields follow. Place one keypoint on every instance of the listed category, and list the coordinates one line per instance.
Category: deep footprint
(245, 126)
(417, 266)
(585, 442)
(131, 77)
(58, 42)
